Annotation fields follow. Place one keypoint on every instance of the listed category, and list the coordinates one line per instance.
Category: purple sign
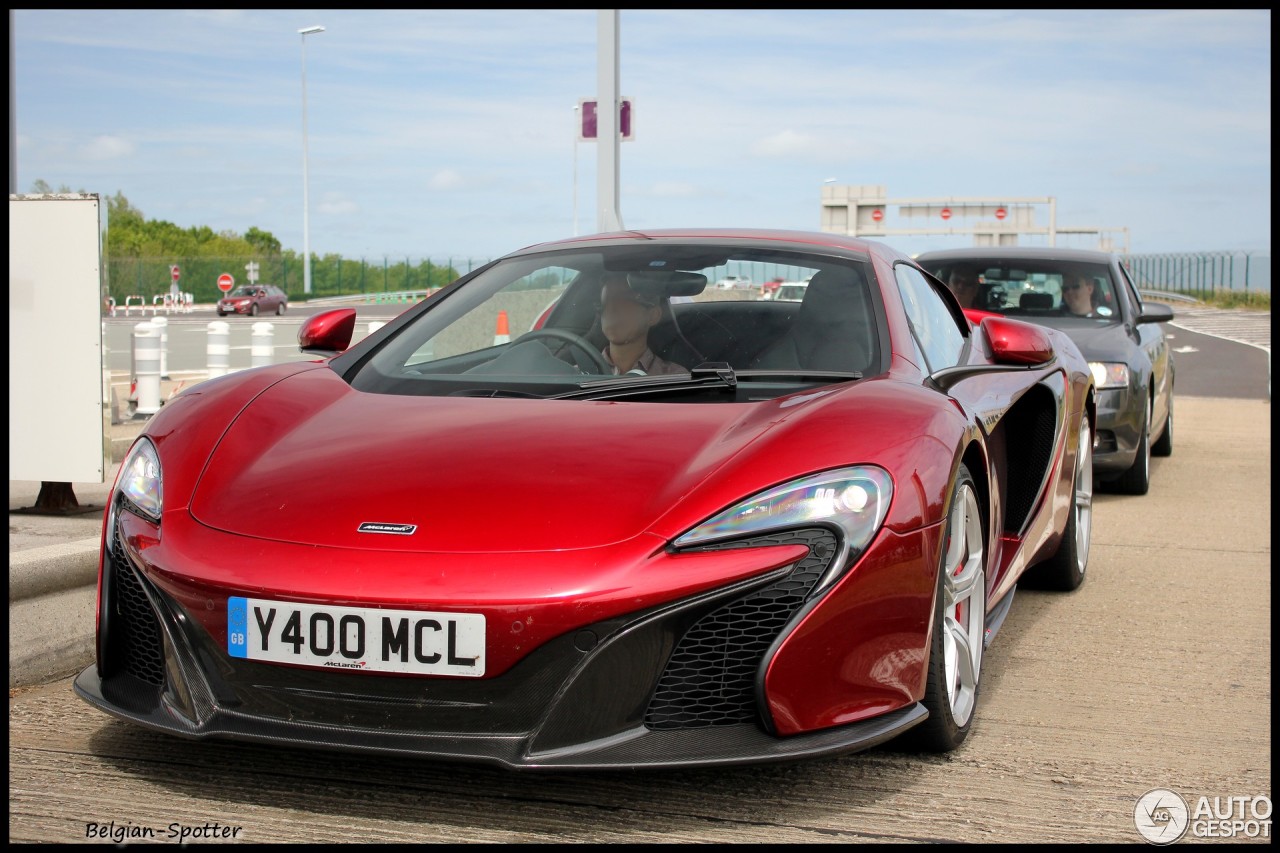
(590, 129)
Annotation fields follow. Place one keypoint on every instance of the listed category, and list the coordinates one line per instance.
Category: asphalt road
(1207, 366)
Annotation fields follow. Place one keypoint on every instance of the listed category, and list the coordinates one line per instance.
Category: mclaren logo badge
(383, 527)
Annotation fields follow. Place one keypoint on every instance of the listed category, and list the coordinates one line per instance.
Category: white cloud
(108, 148)
(446, 180)
(336, 204)
(785, 144)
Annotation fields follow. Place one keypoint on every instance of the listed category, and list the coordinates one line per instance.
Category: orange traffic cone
(502, 334)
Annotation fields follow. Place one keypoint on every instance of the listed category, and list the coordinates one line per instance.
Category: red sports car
(660, 529)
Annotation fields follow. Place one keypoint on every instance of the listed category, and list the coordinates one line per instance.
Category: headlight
(854, 499)
(140, 480)
(1109, 374)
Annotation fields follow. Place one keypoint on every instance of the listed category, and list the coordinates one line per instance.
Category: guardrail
(1165, 294)
(401, 297)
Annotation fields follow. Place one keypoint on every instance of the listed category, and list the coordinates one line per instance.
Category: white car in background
(791, 291)
(734, 282)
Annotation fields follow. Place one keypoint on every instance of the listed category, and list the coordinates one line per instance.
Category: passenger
(1077, 295)
(626, 318)
(964, 284)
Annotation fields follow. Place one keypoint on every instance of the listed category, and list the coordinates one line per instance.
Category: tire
(1164, 445)
(253, 310)
(1064, 571)
(959, 626)
(1137, 480)
(280, 309)
(222, 313)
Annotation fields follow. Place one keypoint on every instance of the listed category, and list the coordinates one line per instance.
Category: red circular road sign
(225, 282)
(1001, 213)
(877, 214)
(173, 271)
(946, 213)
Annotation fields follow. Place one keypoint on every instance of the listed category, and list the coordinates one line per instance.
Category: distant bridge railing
(1201, 275)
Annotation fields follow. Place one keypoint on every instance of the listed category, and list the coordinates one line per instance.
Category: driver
(1077, 295)
(626, 318)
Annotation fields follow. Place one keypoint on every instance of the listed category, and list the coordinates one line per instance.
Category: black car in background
(1117, 332)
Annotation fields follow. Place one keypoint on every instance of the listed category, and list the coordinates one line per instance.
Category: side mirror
(1015, 342)
(328, 332)
(1014, 345)
(1155, 312)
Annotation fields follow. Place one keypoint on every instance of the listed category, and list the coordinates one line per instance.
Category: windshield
(558, 323)
(245, 291)
(1036, 290)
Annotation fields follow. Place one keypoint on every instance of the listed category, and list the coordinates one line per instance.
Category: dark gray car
(1090, 296)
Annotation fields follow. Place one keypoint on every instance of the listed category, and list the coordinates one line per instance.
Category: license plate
(360, 638)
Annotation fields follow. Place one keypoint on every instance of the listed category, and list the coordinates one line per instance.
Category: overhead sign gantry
(858, 210)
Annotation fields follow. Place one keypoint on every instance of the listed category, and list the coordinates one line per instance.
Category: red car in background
(254, 299)
(467, 546)
(769, 289)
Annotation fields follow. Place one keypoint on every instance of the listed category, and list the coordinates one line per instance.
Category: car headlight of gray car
(1109, 374)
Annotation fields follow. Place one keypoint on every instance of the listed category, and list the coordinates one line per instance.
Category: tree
(262, 241)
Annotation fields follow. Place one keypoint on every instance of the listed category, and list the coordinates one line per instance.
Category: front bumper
(673, 685)
(1118, 429)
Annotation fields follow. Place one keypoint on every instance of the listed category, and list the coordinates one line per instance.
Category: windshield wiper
(704, 376)
(709, 375)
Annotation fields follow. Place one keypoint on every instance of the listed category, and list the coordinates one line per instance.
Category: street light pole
(306, 205)
(577, 128)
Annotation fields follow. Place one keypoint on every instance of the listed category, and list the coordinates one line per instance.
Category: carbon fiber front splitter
(638, 748)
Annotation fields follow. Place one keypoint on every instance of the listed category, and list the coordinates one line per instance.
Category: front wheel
(1164, 445)
(1137, 480)
(253, 310)
(959, 625)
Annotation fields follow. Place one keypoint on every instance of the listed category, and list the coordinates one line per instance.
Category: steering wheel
(578, 342)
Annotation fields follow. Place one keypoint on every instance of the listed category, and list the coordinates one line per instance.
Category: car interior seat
(832, 331)
(668, 341)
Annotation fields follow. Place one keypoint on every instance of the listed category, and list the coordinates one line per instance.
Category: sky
(447, 133)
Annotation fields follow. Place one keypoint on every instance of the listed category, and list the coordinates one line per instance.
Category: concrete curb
(51, 636)
(53, 568)
(52, 598)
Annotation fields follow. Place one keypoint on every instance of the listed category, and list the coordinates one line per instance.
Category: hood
(1097, 342)
(311, 460)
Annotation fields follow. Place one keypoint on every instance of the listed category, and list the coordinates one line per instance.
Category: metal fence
(1202, 274)
(330, 276)
(1196, 274)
